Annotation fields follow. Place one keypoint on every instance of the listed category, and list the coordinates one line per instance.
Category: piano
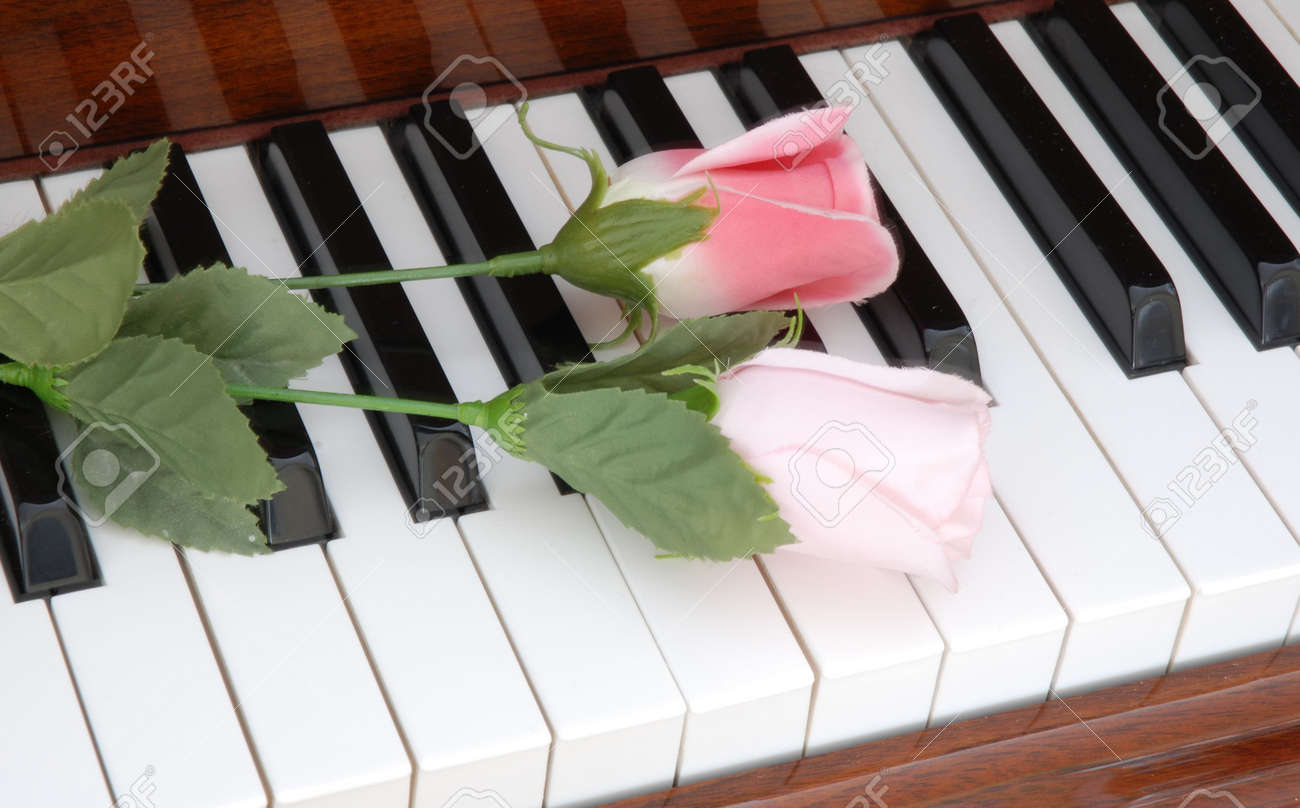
(1097, 208)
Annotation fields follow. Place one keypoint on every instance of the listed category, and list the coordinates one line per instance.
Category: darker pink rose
(797, 217)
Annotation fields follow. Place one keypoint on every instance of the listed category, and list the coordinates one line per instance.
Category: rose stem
(503, 266)
(466, 412)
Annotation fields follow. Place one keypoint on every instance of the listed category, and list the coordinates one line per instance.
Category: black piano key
(432, 459)
(1115, 278)
(524, 320)
(635, 114)
(181, 236)
(1238, 246)
(916, 322)
(1259, 100)
(43, 540)
(179, 231)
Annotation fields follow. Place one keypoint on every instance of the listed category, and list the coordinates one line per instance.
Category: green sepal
(133, 179)
(658, 465)
(716, 343)
(502, 418)
(604, 248)
(255, 330)
(702, 396)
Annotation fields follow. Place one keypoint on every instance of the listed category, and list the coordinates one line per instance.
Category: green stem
(466, 412)
(503, 266)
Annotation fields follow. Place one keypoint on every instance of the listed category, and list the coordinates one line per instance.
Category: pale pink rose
(812, 230)
(868, 464)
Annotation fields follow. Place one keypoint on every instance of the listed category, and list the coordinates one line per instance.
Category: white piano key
(1123, 594)
(1275, 25)
(643, 719)
(1289, 13)
(701, 100)
(447, 321)
(1000, 586)
(1227, 373)
(1003, 628)
(140, 704)
(59, 188)
(875, 651)
(48, 756)
(314, 712)
(1168, 65)
(517, 163)
(713, 621)
(1154, 430)
(615, 714)
(474, 724)
(709, 619)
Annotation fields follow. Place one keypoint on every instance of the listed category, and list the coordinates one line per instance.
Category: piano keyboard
(430, 636)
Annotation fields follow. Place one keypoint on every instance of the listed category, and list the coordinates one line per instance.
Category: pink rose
(869, 464)
(798, 217)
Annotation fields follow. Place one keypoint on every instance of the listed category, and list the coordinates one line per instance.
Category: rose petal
(795, 138)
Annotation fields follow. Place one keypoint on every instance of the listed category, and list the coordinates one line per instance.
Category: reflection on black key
(432, 459)
(1239, 248)
(1258, 99)
(915, 322)
(524, 321)
(636, 114)
(43, 541)
(1114, 276)
(181, 236)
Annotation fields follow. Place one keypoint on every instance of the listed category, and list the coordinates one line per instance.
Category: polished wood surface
(222, 71)
(1221, 736)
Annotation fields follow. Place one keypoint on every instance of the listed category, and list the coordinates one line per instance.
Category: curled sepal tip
(502, 418)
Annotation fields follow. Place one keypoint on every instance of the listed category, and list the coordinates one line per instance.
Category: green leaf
(154, 500)
(705, 342)
(133, 179)
(659, 467)
(255, 330)
(176, 403)
(65, 281)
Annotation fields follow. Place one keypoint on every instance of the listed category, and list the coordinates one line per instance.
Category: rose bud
(868, 464)
(790, 212)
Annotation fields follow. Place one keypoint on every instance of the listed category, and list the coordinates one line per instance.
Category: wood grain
(227, 70)
(1231, 728)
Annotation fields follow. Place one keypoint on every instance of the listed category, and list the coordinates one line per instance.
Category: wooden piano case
(224, 71)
